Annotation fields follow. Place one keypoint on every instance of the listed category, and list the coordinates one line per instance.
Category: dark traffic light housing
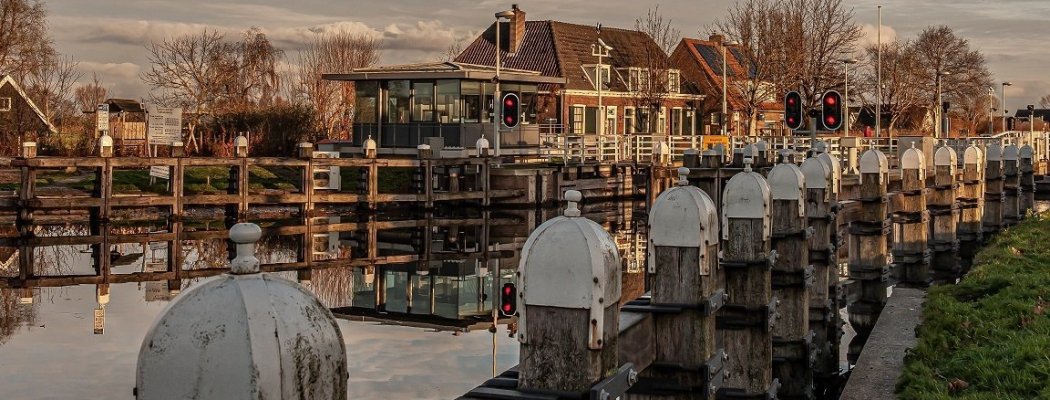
(831, 110)
(793, 115)
(508, 300)
(511, 110)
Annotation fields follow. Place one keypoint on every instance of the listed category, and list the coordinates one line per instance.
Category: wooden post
(233, 214)
(911, 223)
(868, 261)
(791, 281)
(1011, 186)
(944, 213)
(747, 319)
(373, 184)
(824, 320)
(1027, 186)
(993, 190)
(569, 292)
(971, 205)
(683, 266)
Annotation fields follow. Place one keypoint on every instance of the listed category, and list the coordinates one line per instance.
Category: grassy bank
(989, 336)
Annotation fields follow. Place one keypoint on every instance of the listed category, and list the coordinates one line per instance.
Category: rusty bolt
(601, 300)
(594, 322)
(596, 279)
(605, 395)
(632, 377)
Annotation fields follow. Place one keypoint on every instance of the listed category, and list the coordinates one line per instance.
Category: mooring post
(993, 190)
(911, 223)
(944, 214)
(569, 292)
(746, 320)
(684, 273)
(1011, 186)
(868, 261)
(971, 205)
(792, 277)
(1027, 186)
(824, 319)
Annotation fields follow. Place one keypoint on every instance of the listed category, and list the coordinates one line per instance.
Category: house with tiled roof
(701, 63)
(617, 81)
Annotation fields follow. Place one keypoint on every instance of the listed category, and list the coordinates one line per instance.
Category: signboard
(100, 320)
(102, 117)
(162, 172)
(165, 125)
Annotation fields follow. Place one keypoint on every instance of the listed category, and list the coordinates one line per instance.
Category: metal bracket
(787, 279)
(707, 308)
(615, 387)
(739, 316)
(740, 394)
(712, 372)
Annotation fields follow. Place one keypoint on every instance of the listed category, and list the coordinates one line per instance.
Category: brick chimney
(517, 29)
(719, 39)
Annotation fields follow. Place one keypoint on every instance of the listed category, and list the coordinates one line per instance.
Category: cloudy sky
(108, 37)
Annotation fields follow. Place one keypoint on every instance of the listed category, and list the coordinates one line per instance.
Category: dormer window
(592, 70)
(5, 104)
(674, 84)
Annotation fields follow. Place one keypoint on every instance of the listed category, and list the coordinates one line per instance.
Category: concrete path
(882, 360)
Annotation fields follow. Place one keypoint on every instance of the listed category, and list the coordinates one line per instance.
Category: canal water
(416, 326)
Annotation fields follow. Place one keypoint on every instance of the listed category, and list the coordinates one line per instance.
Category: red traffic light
(511, 110)
(793, 110)
(508, 301)
(831, 110)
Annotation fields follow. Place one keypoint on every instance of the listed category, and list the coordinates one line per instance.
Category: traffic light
(793, 116)
(831, 110)
(511, 110)
(508, 300)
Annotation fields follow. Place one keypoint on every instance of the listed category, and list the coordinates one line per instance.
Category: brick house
(640, 94)
(20, 119)
(700, 62)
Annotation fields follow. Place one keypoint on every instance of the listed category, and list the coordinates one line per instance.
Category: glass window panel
(446, 105)
(591, 120)
(471, 101)
(423, 102)
(398, 100)
(366, 98)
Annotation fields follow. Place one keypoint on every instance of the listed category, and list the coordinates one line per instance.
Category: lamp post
(1005, 113)
(845, 99)
(991, 111)
(725, 78)
(939, 111)
(496, 93)
(600, 50)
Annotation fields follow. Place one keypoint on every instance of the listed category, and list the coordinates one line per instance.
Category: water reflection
(414, 274)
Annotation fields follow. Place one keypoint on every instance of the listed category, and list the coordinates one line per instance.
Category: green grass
(989, 336)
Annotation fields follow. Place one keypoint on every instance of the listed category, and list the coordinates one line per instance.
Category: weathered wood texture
(911, 223)
(868, 259)
(748, 340)
(556, 358)
(944, 214)
(971, 207)
(992, 220)
(1011, 196)
(790, 277)
(824, 319)
(1027, 185)
(687, 339)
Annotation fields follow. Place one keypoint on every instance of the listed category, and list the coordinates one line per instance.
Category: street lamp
(1005, 112)
(845, 99)
(496, 93)
(725, 78)
(939, 111)
(991, 111)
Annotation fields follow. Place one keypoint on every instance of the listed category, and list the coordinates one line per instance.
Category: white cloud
(870, 35)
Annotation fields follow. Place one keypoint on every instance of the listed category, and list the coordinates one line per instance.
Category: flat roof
(443, 70)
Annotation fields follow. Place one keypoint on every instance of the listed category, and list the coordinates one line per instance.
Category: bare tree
(334, 52)
(1044, 102)
(51, 85)
(253, 76)
(189, 71)
(651, 86)
(793, 44)
(963, 70)
(25, 45)
(90, 95)
(901, 96)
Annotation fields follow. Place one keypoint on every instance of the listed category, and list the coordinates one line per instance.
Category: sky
(109, 37)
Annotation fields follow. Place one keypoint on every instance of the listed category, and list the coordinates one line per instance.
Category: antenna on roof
(598, 28)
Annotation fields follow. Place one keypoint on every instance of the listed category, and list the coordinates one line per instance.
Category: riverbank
(987, 337)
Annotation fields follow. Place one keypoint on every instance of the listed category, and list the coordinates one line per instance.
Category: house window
(642, 123)
(673, 82)
(628, 120)
(638, 79)
(661, 122)
(576, 119)
(676, 121)
(610, 120)
(5, 104)
(590, 124)
(591, 71)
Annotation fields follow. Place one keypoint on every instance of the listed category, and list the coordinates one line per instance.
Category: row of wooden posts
(746, 291)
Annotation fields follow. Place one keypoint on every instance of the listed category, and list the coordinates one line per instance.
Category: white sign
(162, 172)
(164, 125)
(100, 320)
(102, 117)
